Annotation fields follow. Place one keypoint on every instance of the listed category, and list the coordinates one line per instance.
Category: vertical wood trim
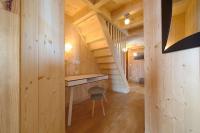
(51, 67)
(9, 66)
(29, 66)
(42, 67)
(126, 56)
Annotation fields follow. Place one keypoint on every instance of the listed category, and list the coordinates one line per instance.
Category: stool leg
(103, 107)
(93, 106)
(104, 96)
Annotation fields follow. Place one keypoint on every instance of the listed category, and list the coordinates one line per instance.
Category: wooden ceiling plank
(101, 11)
(138, 33)
(129, 7)
(82, 16)
(101, 3)
(133, 25)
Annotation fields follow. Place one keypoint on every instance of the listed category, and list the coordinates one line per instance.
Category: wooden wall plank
(42, 67)
(135, 67)
(9, 66)
(78, 61)
(172, 81)
(29, 66)
(51, 67)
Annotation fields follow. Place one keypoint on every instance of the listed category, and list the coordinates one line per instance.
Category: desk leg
(70, 106)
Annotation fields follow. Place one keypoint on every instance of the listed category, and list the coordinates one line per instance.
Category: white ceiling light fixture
(126, 20)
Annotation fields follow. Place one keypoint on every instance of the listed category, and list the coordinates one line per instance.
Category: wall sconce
(124, 50)
(68, 47)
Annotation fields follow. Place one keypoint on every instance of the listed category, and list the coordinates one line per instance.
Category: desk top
(79, 77)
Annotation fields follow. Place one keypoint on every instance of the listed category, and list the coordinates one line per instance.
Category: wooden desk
(71, 81)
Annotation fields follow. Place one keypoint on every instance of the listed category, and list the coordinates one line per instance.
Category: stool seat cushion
(96, 96)
(96, 90)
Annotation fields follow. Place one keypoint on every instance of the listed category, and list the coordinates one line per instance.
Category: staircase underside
(90, 28)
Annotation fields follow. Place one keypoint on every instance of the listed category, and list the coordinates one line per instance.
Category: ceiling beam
(82, 15)
(101, 11)
(130, 7)
(135, 21)
(138, 48)
(136, 31)
(136, 40)
(100, 3)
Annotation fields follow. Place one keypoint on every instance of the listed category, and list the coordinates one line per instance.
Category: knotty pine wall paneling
(172, 81)
(79, 61)
(42, 67)
(29, 66)
(135, 67)
(9, 68)
(51, 67)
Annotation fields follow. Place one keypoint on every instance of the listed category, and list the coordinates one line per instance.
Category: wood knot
(40, 77)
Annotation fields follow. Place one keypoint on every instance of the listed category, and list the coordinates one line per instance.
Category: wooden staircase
(106, 42)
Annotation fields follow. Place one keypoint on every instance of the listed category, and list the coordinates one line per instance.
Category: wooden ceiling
(73, 6)
(114, 10)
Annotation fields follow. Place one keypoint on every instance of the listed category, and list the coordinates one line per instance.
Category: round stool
(96, 94)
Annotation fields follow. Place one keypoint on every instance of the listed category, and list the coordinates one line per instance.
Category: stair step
(108, 66)
(102, 52)
(115, 77)
(93, 31)
(98, 44)
(98, 40)
(111, 72)
(105, 60)
(93, 36)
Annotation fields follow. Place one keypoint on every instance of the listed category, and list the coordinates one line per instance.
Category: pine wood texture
(29, 67)
(79, 61)
(135, 67)
(9, 66)
(81, 91)
(113, 10)
(172, 81)
(124, 113)
(99, 45)
(42, 67)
